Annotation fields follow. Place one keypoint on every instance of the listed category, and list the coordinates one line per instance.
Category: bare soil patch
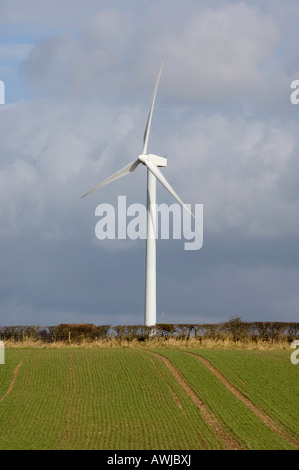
(15, 374)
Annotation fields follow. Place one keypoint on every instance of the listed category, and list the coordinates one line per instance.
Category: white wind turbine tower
(152, 162)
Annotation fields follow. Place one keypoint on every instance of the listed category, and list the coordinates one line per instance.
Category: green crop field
(127, 398)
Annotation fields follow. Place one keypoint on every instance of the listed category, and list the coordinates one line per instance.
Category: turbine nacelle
(155, 159)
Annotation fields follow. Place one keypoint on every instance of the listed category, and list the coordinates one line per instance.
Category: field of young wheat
(148, 399)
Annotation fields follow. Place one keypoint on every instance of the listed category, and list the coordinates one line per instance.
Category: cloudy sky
(79, 75)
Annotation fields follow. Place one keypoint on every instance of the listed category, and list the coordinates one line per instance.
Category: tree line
(234, 329)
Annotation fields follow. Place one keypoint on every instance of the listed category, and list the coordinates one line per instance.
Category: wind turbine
(152, 162)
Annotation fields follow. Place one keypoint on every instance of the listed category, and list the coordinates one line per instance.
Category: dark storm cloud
(223, 117)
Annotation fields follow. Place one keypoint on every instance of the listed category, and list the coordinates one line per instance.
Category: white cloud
(52, 154)
(236, 167)
(215, 54)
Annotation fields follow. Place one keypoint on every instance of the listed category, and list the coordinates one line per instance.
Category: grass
(269, 379)
(88, 399)
(111, 397)
(248, 428)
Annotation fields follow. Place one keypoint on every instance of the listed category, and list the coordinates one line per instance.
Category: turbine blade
(149, 119)
(160, 177)
(119, 174)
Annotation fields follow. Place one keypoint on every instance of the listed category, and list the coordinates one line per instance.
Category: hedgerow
(233, 329)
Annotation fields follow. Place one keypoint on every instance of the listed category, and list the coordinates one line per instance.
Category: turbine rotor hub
(142, 158)
(155, 159)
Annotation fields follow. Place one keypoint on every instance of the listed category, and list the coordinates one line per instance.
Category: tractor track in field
(266, 419)
(227, 437)
(176, 398)
(15, 374)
